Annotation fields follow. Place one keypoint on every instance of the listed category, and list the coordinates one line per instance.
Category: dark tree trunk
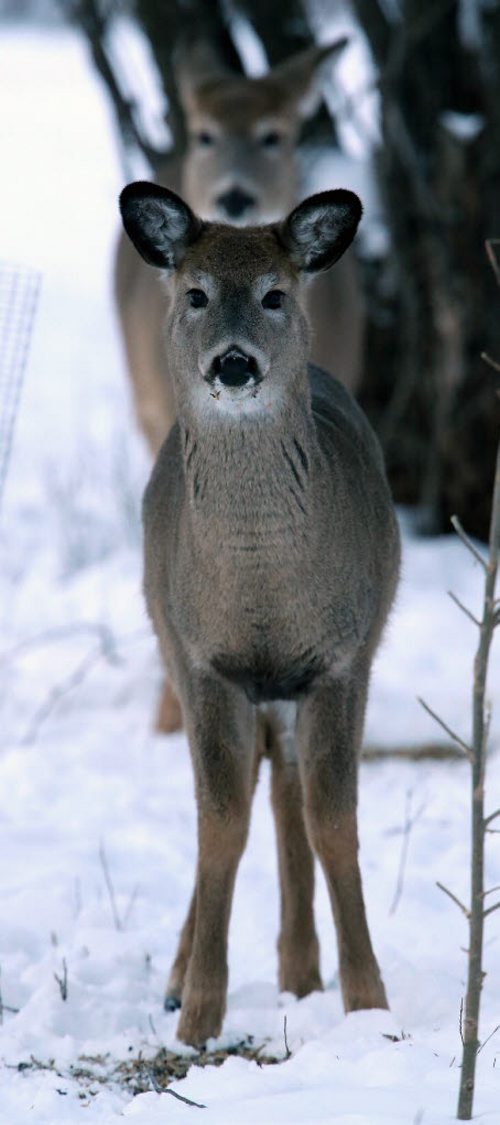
(435, 406)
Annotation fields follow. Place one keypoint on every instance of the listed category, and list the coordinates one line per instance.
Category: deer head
(237, 330)
(241, 160)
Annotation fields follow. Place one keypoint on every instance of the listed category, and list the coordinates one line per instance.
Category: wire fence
(19, 290)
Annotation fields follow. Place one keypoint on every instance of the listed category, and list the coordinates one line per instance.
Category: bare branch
(407, 827)
(63, 981)
(166, 1090)
(490, 1036)
(461, 1021)
(131, 904)
(490, 361)
(454, 899)
(491, 890)
(491, 909)
(468, 542)
(463, 608)
(492, 816)
(288, 1052)
(104, 863)
(492, 258)
(455, 737)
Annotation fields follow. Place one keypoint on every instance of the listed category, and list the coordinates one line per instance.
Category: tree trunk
(435, 410)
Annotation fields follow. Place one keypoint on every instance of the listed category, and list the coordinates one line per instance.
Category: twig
(288, 1053)
(453, 898)
(48, 636)
(166, 1090)
(407, 827)
(463, 608)
(64, 687)
(130, 906)
(455, 737)
(104, 863)
(489, 360)
(63, 981)
(460, 1021)
(492, 816)
(492, 258)
(491, 890)
(490, 1036)
(491, 909)
(468, 542)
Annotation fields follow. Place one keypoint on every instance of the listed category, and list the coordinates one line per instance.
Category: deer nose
(234, 368)
(235, 202)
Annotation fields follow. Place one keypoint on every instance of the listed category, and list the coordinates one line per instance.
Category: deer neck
(250, 477)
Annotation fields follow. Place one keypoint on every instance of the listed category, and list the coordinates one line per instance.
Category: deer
(271, 559)
(241, 166)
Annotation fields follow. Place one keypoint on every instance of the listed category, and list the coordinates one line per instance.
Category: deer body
(240, 166)
(271, 559)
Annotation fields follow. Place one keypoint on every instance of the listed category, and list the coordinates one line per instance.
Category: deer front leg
(222, 739)
(329, 734)
(298, 947)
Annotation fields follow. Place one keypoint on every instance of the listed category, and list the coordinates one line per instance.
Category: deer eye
(197, 298)
(271, 139)
(273, 299)
(205, 138)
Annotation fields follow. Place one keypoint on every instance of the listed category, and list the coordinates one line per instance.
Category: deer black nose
(234, 369)
(235, 202)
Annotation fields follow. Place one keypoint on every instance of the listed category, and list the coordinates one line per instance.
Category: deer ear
(301, 77)
(320, 229)
(159, 223)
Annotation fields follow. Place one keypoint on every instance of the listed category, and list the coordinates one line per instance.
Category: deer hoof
(171, 1003)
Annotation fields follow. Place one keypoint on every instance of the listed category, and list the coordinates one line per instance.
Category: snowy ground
(84, 785)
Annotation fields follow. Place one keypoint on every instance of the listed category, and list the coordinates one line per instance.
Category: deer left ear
(301, 78)
(159, 223)
(320, 229)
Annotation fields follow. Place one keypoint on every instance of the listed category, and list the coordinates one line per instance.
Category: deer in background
(271, 561)
(241, 167)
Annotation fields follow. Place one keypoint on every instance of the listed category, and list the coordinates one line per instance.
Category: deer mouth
(235, 371)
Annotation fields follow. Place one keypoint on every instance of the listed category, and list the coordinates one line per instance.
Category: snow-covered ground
(86, 791)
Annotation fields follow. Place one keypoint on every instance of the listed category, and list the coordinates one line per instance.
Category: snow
(86, 788)
(464, 126)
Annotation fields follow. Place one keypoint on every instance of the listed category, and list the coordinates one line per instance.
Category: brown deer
(271, 561)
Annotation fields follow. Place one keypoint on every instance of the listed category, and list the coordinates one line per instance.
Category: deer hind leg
(329, 736)
(222, 742)
(298, 947)
(169, 714)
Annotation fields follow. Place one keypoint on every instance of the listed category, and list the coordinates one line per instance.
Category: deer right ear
(159, 223)
(319, 230)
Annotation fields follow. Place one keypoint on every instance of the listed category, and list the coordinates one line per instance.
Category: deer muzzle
(234, 369)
